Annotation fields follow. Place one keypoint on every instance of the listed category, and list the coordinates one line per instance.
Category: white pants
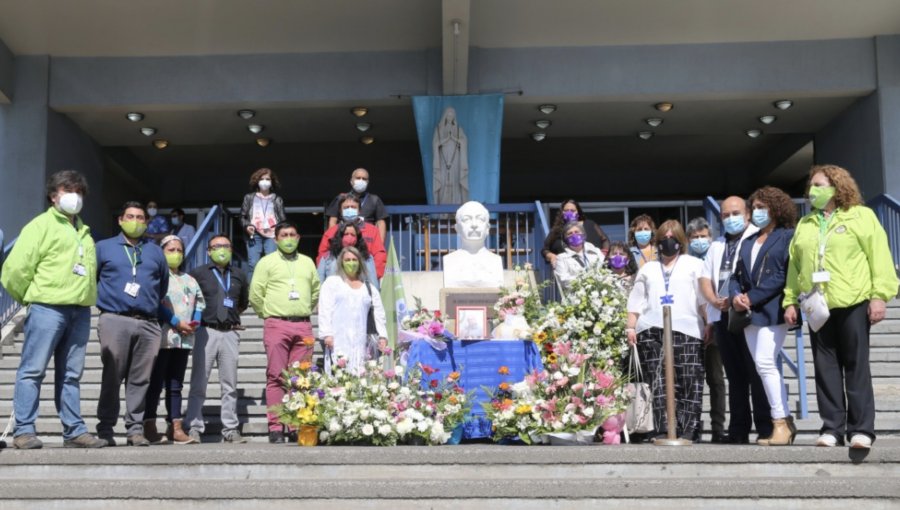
(765, 344)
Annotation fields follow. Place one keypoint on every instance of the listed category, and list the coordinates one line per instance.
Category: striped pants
(688, 379)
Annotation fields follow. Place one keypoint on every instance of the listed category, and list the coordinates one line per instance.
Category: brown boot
(152, 434)
(178, 435)
(781, 433)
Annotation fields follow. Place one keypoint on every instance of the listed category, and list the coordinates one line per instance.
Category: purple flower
(435, 328)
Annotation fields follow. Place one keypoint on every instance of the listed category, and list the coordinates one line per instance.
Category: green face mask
(133, 228)
(819, 196)
(351, 267)
(288, 245)
(220, 256)
(174, 259)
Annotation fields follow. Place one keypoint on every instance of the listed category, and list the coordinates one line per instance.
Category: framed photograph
(471, 322)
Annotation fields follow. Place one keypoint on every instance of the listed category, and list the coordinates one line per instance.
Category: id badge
(724, 276)
(228, 302)
(293, 295)
(132, 289)
(821, 277)
(79, 269)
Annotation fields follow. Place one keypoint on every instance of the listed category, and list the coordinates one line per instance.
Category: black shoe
(292, 436)
(719, 438)
(739, 439)
(110, 441)
(276, 436)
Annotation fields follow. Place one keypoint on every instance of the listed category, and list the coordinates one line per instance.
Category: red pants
(284, 345)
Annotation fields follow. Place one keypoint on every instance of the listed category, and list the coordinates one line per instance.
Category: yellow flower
(523, 409)
(551, 358)
(540, 337)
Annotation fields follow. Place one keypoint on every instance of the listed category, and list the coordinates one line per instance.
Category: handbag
(639, 414)
(815, 307)
(737, 321)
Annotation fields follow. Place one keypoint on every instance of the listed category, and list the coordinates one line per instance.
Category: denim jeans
(258, 248)
(60, 331)
(168, 374)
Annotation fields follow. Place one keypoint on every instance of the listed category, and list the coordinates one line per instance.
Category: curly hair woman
(261, 210)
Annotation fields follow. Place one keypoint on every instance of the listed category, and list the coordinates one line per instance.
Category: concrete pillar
(887, 54)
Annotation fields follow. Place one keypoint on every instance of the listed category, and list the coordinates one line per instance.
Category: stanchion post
(672, 438)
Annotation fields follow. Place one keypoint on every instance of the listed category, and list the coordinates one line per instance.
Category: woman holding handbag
(840, 257)
(757, 289)
(348, 305)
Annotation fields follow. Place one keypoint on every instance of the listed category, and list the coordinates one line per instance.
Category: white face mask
(176, 221)
(360, 185)
(152, 211)
(70, 203)
(265, 184)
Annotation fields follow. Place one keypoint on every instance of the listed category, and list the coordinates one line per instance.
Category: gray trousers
(128, 349)
(219, 347)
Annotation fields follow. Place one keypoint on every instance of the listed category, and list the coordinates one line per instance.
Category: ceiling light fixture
(148, 131)
(256, 128)
(783, 104)
(134, 116)
(263, 142)
(363, 126)
(538, 137)
(367, 140)
(645, 135)
(359, 111)
(664, 107)
(653, 121)
(754, 133)
(767, 119)
(246, 114)
(542, 124)
(160, 144)
(547, 109)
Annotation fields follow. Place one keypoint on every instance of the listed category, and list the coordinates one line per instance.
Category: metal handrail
(211, 225)
(887, 209)
(8, 306)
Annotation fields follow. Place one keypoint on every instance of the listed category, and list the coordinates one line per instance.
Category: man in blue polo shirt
(133, 279)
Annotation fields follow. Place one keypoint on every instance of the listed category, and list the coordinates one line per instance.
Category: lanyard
(667, 298)
(80, 244)
(823, 235)
(133, 259)
(291, 270)
(226, 285)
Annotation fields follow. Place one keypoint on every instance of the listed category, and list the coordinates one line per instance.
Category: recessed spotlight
(363, 126)
(367, 140)
(547, 109)
(148, 131)
(664, 107)
(263, 142)
(542, 124)
(160, 144)
(538, 137)
(783, 104)
(246, 114)
(256, 128)
(653, 121)
(754, 133)
(134, 116)
(359, 111)
(767, 119)
(645, 135)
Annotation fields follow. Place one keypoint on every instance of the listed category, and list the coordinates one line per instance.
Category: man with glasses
(133, 280)
(225, 289)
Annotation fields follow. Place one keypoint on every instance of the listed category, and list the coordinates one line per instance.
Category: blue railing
(8, 305)
(713, 214)
(196, 253)
(888, 211)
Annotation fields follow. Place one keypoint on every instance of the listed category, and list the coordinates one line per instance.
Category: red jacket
(373, 243)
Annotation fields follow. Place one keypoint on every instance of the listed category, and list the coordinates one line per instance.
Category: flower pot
(308, 435)
(457, 435)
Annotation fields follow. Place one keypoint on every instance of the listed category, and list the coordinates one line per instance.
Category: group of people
(734, 299)
(155, 318)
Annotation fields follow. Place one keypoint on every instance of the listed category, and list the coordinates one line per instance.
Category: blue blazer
(764, 284)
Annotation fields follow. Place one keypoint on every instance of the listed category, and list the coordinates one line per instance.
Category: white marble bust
(472, 265)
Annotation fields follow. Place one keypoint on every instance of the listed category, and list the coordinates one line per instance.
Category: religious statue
(472, 265)
(450, 152)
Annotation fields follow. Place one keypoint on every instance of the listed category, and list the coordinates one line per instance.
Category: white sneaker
(827, 440)
(861, 441)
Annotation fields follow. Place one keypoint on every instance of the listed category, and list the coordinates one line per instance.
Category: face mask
(176, 221)
(350, 266)
(265, 184)
(174, 259)
(570, 216)
(133, 228)
(350, 213)
(618, 261)
(221, 256)
(700, 246)
(760, 217)
(348, 240)
(360, 185)
(287, 245)
(575, 240)
(642, 237)
(669, 246)
(819, 196)
(734, 224)
(70, 203)
(152, 211)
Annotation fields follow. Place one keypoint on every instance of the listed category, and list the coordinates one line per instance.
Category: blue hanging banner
(459, 139)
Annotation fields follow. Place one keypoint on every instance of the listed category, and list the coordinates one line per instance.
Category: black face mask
(669, 246)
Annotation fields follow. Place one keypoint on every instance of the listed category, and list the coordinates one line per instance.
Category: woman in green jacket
(841, 249)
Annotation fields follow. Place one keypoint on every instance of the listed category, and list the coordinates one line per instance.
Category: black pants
(841, 357)
(744, 385)
(168, 373)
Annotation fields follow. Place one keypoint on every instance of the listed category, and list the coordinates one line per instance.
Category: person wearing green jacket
(53, 270)
(857, 277)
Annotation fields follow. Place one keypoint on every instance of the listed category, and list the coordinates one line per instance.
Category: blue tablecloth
(478, 362)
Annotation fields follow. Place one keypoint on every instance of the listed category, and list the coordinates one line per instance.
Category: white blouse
(649, 288)
(343, 315)
(569, 264)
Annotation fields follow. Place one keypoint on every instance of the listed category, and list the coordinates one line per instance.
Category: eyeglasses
(217, 246)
